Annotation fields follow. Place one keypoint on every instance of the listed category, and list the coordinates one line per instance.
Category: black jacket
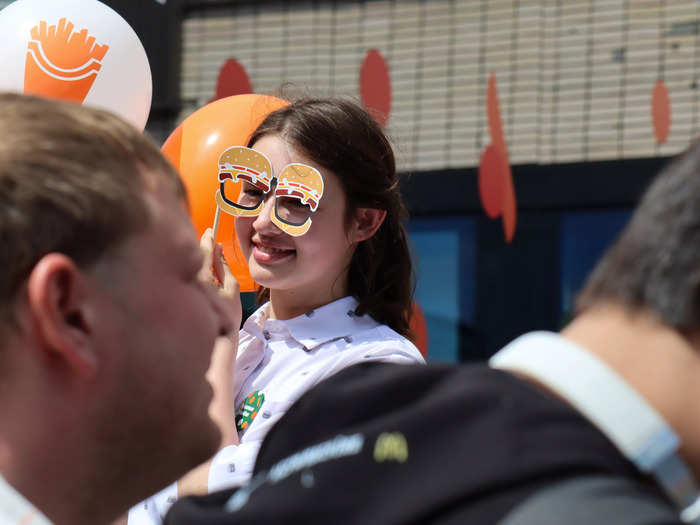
(396, 444)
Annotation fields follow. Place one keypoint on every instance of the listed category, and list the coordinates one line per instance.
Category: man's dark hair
(655, 263)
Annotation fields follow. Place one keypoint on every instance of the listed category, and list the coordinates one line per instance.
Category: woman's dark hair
(343, 138)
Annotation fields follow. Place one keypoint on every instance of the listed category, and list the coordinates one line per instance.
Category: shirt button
(351, 313)
(310, 314)
(266, 334)
(232, 467)
(265, 415)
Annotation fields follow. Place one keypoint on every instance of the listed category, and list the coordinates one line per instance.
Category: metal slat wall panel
(550, 57)
(522, 99)
(574, 78)
(605, 95)
(404, 67)
(432, 118)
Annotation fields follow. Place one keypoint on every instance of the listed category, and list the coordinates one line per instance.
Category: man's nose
(225, 306)
(225, 313)
(227, 325)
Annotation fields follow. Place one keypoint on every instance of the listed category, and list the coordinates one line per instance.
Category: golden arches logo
(391, 446)
(61, 63)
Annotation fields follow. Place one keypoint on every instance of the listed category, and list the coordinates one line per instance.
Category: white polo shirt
(277, 362)
(15, 509)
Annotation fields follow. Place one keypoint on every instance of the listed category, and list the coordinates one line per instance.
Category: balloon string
(217, 215)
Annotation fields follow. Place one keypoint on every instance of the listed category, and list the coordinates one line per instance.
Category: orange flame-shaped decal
(61, 63)
(496, 188)
(660, 111)
(233, 80)
(375, 86)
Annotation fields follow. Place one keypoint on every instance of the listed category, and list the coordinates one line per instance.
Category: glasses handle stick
(217, 215)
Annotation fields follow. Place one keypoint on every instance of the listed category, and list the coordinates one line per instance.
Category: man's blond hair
(73, 180)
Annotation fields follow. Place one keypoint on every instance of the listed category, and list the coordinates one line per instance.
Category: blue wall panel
(444, 256)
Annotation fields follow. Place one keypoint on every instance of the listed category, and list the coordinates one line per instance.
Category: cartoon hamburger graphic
(299, 190)
(237, 164)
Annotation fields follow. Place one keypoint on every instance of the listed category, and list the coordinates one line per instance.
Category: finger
(206, 243)
(219, 263)
(231, 286)
(223, 272)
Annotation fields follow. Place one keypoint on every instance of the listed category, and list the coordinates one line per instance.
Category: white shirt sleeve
(233, 465)
(151, 511)
(385, 352)
(15, 508)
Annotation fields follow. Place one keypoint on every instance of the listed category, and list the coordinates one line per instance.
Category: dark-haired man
(106, 330)
(597, 424)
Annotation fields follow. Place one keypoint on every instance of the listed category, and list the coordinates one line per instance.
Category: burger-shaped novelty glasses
(298, 189)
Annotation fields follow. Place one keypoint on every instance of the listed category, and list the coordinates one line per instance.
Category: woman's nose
(262, 223)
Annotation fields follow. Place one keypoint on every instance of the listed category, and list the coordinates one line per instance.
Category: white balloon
(119, 81)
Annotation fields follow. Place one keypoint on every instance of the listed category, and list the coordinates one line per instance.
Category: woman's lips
(268, 254)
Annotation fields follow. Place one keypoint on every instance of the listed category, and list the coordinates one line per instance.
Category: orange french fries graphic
(61, 63)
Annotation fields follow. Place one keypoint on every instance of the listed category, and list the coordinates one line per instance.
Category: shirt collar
(14, 508)
(254, 324)
(333, 321)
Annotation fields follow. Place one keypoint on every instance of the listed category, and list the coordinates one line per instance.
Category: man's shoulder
(483, 427)
(431, 399)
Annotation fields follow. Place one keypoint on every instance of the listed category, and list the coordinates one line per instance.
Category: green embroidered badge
(249, 409)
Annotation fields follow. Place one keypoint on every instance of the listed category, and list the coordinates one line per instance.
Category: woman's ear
(366, 223)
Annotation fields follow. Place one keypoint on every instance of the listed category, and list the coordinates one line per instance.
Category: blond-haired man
(106, 329)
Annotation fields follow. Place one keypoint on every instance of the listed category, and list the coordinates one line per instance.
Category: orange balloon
(194, 149)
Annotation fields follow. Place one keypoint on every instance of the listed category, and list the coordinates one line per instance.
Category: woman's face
(314, 265)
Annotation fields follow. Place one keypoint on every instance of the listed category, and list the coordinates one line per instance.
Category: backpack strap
(613, 406)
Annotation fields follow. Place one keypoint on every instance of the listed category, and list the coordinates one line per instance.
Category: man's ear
(57, 302)
(366, 223)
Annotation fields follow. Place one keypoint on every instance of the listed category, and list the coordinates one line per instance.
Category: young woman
(333, 266)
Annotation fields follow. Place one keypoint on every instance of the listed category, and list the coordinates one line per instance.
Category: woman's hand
(223, 361)
(216, 271)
